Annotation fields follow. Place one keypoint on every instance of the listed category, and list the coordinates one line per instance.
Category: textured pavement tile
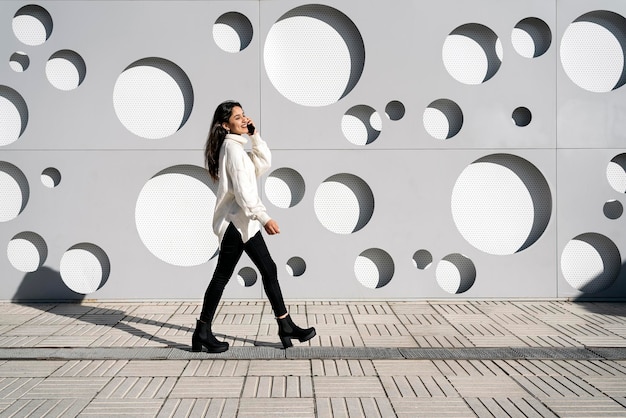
(417, 386)
(278, 387)
(129, 407)
(347, 387)
(217, 368)
(153, 368)
(342, 367)
(585, 407)
(76, 368)
(544, 387)
(276, 407)
(353, 407)
(279, 368)
(67, 387)
(431, 407)
(405, 367)
(16, 387)
(207, 387)
(138, 387)
(223, 408)
(509, 407)
(47, 408)
(26, 368)
(487, 386)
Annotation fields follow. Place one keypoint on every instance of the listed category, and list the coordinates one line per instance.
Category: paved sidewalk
(371, 359)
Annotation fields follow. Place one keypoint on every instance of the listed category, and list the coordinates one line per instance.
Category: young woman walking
(238, 218)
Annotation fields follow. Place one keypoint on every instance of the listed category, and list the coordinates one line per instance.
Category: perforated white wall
(447, 149)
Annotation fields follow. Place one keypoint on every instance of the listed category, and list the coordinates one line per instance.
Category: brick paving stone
(585, 407)
(206, 368)
(223, 408)
(208, 387)
(128, 407)
(509, 407)
(347, 387)
(21, 368)
(487, 386)
(66, 387)
(153, 368)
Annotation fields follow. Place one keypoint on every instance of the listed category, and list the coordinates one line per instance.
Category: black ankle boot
(203, 336)
(288, 330)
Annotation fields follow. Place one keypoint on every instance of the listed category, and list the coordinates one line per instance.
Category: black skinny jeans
(230, 252)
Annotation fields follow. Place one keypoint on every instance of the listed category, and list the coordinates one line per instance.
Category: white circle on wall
(14, 190)
(32, 25)
(374, 268)
(314, 55)
(247, 276)
(422, 259)
(232, 32)
(295, 266)
(153, 98)
(455, 273)
(531, 37)
(19, 62)
(616, 173)
(590, 262)
(443, 119)
(472, 53)
(66, 70)
(85, 268)
(592, 51)
(13, 115)
(344, 203)
(284, 187)
(27, 251)
(361, 125)
(173, 216)
(501, 204)
(50, 177)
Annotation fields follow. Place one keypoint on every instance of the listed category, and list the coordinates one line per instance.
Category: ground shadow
(45, 290)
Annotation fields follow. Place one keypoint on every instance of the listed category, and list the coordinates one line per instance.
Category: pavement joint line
(272, 353)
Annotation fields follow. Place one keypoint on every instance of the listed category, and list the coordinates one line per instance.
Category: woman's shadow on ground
(45, 290)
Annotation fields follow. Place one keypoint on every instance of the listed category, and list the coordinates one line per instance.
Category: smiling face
(237, 123)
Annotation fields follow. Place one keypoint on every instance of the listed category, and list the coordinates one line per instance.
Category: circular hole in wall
(422, 259)
(590, 262)
(14, 190)
(296, 266)
(66, 70)
(51, 177)
(153, 98)
(19, 62)
(501, 204)
(472, 53)
(27, 251)
(232, 32)
(613, 209)
(284, 187)
(247, 276)
(173, 218)
(314, 55)
(13, 115)
(521, 117)
(374, 268)
(344, 203)
(592, 51)
(616, 173)
(455, 273)
(531, 37)
(32, 25)
(443, 119)
(395, 110)
(361, 125)
(85, 268)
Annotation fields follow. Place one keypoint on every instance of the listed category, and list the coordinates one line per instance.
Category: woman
(239, 215)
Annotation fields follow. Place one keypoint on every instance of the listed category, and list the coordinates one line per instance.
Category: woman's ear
(225, 126)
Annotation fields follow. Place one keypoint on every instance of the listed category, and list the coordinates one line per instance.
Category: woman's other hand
(271, 227)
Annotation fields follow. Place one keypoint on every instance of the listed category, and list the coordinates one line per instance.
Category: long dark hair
(216, 137)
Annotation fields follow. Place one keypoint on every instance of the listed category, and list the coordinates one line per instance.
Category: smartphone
(250, 129)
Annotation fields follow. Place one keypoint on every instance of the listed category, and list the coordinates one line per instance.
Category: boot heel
(196, 346)
(286, 342)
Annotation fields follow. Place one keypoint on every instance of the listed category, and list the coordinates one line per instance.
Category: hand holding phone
(251, 129)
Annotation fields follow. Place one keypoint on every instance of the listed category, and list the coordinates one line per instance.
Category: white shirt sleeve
(260, 155)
